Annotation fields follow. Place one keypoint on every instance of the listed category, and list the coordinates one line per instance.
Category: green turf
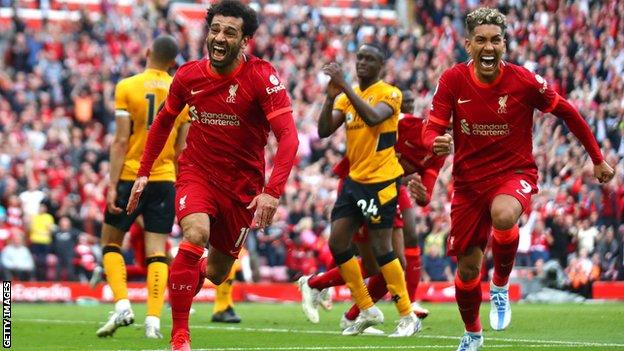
(283, 327)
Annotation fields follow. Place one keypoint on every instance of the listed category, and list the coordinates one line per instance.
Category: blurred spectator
(64, 240)
(41, 227)
(85, 257)
(17, 260)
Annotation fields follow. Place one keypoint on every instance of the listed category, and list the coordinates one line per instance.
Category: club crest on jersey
(349, 117)
(502, 104)
(182, 202)
(232, 98)
(465, 127)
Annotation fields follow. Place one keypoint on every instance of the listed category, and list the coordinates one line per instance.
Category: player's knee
(216, 276)
(503, 218)
(468, 273)
(197, 235)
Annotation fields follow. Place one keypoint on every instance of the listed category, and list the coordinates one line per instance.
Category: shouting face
(486, 47)
(225, 40)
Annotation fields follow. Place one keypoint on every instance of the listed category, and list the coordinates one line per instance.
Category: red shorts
(404, 201)
(229, 219)
(471, 222)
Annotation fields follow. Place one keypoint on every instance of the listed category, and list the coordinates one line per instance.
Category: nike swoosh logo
(460, 101)
(408, 144)
(193, 92)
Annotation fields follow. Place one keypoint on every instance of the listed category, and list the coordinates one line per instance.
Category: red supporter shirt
(492, 123)
(229, 121)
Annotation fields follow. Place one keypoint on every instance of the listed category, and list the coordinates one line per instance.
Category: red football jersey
(492, 123)
(411, 148)
(229, 121)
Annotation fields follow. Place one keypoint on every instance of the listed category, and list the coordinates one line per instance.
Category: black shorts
(156, 205)
(375, 204)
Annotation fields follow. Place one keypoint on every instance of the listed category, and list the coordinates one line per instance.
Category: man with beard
(234, 101)
(370, 112)
(492, 104)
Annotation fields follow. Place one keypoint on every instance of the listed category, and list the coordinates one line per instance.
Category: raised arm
(330, 119)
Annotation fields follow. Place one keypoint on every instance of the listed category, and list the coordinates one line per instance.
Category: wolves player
(136, 102)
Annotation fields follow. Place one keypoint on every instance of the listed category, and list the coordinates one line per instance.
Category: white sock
(122, 305)
(480, 333)
(152, 321)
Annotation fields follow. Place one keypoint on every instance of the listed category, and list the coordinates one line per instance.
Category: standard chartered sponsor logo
(215, 119)
(493, 129)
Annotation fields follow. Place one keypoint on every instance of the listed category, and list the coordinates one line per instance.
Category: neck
(152, 65)
(364, 83)
(486, 79)
(229, 68)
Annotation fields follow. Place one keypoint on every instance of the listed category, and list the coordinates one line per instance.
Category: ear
(467, 45)
(244, 42)
(148, 52)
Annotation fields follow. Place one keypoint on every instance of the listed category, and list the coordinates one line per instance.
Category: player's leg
(340, 246)
(413, 263)
(376, 284)
(157, 274)
(470, 226)
(184, 274)
(113, 232)
(380, 227)
(157, 220)
(509, 201)
(394, 276)
(314, 288)
(223, 309)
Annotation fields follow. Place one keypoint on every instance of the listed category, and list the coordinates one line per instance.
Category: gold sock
(223, 298)
(157, 274)
(115, 269)
(350, 272)
(395, 281)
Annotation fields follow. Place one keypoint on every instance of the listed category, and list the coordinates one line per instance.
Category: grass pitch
(274, 327)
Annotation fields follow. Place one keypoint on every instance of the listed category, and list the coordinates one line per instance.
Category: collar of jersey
(370, 86)
(480, 83)
(216, 75)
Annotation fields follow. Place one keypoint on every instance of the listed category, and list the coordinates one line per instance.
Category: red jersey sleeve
(272, 94)
(163, 123)
(542, 96)
(441, 109)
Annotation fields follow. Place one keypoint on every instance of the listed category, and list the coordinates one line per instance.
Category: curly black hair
(235, 8)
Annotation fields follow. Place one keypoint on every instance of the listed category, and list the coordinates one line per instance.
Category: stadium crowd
(57, 122)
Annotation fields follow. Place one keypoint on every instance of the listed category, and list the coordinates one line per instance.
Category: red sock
(331, 278)
(183, 280)
(376, 288)
(468, 296)
(136, 271)
(504, 248)
(412, 271)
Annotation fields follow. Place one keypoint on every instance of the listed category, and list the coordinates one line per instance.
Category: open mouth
(218, 52)
(488, 61)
